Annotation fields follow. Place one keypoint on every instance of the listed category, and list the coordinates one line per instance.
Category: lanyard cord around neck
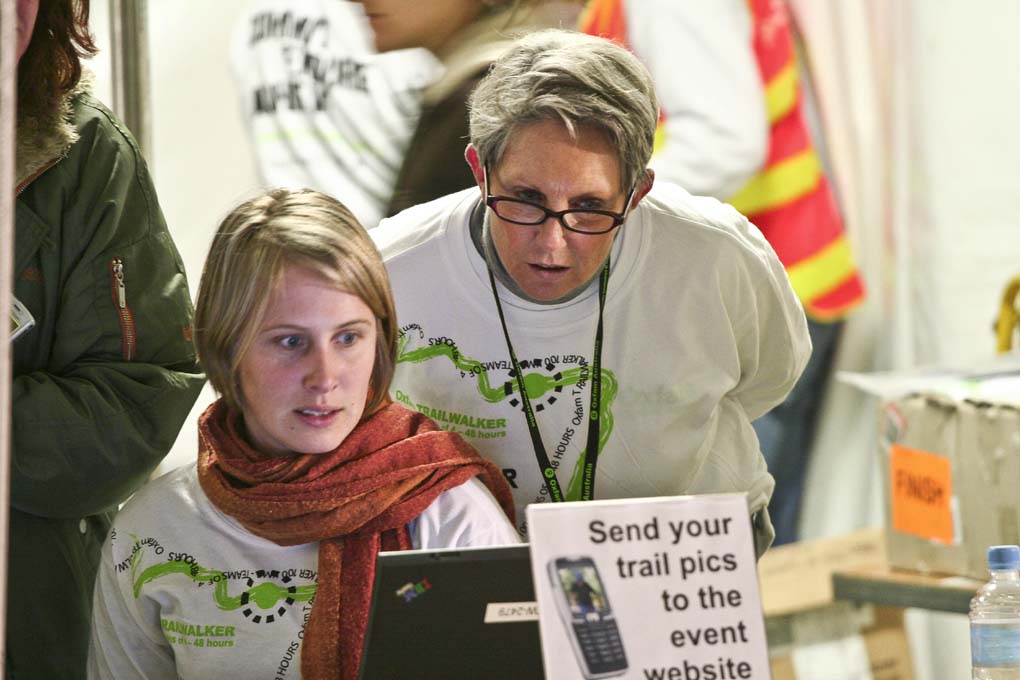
(591, 451)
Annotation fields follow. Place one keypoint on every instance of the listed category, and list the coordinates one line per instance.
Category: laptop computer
(453, 613)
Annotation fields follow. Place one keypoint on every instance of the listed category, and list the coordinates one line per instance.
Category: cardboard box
(798, 576)
(813, 637)
(880, 652)
(928, 424)
(978, 444)
(989, 480)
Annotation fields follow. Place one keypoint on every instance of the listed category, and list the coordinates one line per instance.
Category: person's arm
(464, 516)
(709, 88)
(127, 638)
(769, 327)
(772, 346)
(100, 389)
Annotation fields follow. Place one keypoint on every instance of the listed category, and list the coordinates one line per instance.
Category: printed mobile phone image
(591, 626)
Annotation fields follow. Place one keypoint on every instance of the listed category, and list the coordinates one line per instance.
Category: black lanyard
(591, 451)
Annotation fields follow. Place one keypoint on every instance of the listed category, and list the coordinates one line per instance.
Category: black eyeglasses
(518, 211)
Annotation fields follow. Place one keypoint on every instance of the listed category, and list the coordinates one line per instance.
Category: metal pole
(8, 116)
(129, 57)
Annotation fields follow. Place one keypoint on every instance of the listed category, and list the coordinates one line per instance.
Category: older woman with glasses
(595, 337)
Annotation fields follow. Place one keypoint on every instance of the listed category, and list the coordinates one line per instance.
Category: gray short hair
(577, 79)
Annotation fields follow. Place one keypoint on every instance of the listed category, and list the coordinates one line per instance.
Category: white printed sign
(649, 589)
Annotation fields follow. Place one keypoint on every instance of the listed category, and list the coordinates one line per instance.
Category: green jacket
(102, 382)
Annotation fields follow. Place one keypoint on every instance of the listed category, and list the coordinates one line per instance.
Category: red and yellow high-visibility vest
(790, 199)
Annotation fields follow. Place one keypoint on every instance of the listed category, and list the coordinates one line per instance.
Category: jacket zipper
(25, 183)
(127, 321)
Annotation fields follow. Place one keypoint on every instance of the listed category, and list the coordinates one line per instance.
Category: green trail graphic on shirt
(536, 384)
(265, 595)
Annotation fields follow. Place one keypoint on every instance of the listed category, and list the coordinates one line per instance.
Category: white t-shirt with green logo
(185, 591)
(702, 334)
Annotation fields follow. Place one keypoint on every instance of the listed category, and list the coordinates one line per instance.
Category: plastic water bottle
(995, 618)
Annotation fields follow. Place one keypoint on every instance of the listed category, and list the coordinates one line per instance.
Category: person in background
(323, 109)
(305, 470)
(594, 336)
(105, 373)
(734, 128)
(712, 136)
(466, 36)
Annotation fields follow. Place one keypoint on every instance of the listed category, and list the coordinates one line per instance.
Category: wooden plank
(894, 588)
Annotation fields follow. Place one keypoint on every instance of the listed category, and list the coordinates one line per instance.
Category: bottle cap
(1004, 557)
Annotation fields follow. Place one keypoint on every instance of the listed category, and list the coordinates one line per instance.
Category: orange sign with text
(921, 492)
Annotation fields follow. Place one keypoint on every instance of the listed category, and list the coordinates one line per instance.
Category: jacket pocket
(118, 290)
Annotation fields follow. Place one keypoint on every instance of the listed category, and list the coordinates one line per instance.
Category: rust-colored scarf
(355, 501)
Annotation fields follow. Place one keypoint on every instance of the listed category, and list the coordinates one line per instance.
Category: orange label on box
(921, 493)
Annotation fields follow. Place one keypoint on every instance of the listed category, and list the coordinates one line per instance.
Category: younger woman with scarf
(258, 560)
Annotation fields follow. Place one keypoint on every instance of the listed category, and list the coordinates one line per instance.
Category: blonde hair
(249, 252)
